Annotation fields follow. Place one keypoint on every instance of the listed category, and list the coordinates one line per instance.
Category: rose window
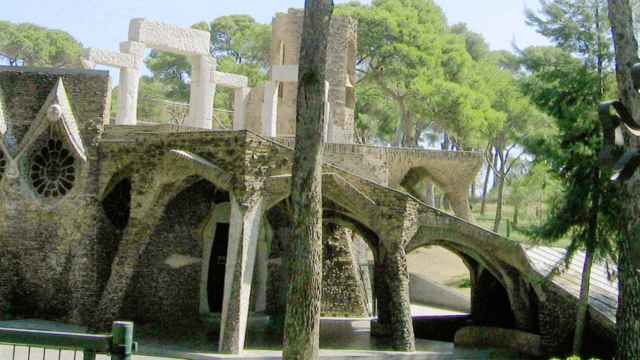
(52, 170)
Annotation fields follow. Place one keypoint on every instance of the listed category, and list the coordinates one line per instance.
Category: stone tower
(340, 67)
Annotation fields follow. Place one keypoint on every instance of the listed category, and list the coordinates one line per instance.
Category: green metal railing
(45, 345)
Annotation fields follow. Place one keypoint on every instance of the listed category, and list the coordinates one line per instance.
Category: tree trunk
(302, 322)
(628, 317)
(498, 219)
(485, 188)
(496, 164)
(583, 303)
(516, 214)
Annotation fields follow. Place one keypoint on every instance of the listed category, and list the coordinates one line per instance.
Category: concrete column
(245, 222)
(202, 92)
(240, 108)
(129, 84)
(270, 109)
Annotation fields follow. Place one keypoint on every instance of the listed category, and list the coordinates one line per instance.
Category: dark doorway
(215, 283)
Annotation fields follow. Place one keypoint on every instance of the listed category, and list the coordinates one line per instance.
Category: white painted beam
(169, 38)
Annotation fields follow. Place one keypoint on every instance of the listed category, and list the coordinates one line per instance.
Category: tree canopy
(27, 44)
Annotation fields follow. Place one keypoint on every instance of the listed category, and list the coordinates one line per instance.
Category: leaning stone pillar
(459, 201)
(244, 231)
(397, 280)
(270, 109)
(129, 84)
(202, 92)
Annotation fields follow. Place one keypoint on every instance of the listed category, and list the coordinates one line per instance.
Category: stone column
(459, 201)
(202, 92)
(270, 109)
(129, 84)
(397, 280)
(240, 108)
(245, 222)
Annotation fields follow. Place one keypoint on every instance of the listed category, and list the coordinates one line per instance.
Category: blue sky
(104, 23)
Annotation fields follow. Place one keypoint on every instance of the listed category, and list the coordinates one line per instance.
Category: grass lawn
(527, 218)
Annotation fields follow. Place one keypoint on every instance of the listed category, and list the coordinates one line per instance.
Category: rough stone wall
(343, 293)
(340, 72)
(166, 285)
(557, 314)
(52, 242)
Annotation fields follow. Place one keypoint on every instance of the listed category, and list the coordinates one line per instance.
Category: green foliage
(475, 43)
(566, 89)
(27, 44)
(407, 51)
(579, 27)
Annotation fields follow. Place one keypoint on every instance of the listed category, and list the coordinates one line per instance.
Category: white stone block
(202, 92)
(169, 38)
(284, 73)
(233, 81)
(240, 108)
(109, 58)
(270, 109)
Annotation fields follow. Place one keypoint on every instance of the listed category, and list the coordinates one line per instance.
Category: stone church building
(104, 219)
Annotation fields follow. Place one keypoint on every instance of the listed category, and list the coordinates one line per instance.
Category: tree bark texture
(302, 322)
(628, 317)
(485, 188)
(498, 219)
(583, 303)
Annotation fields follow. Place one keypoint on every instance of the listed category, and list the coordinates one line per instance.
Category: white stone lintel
(109, 58)
(233, 81)
(284, 73)
(169, 38)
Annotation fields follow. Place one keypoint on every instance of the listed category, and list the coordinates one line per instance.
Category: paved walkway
(352, 336)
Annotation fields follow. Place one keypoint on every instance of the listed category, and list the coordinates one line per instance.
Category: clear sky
(104, 23)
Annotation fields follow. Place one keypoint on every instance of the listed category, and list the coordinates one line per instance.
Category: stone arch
(490, 275)
(417, 180)
(151, 193)
(168, 278)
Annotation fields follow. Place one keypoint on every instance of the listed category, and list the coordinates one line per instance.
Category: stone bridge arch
(495, 282)
(453, 172)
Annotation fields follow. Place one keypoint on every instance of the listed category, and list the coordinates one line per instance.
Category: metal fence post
(88, 355)
(122, 346)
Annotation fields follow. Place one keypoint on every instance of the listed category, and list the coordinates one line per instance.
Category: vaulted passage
(167, 286)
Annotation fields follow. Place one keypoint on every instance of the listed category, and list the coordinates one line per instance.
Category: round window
(52, 170)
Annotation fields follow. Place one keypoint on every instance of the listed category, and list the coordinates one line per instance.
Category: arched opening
(171, 282)
(347, 289)
(451, 289)
(420, 183)
(440, 288)
(116, 207)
